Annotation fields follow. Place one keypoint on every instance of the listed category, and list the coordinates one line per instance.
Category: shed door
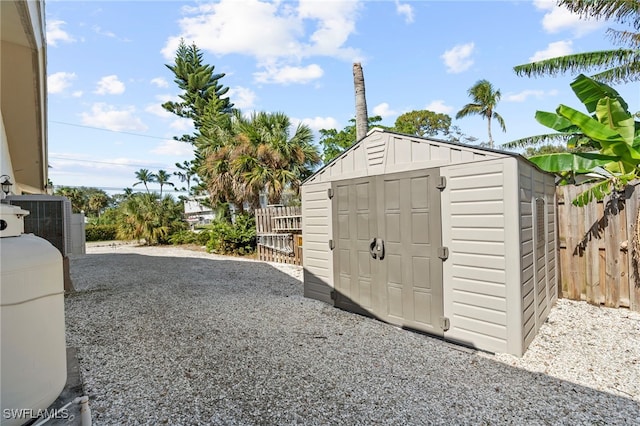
(355, 222)
(405, 286)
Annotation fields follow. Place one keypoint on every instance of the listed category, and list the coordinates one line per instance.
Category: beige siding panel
(476, 234)
(467, 326)
(486, 247)
(473, 220)
(481, 261)
(497, 304)
(491, 318)
(481, 274)
(478, 208)
(538, 278)
(316, 230)
(474, 285)
(487, 194)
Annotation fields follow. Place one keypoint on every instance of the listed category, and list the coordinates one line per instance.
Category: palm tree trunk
(362, 120)
(489, 129)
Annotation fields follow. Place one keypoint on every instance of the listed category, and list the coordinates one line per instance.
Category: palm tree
(98, 200)
(144, 177)
(267, 157)
(618, 65)
(362, 121)
(162, 178)
(485, 99)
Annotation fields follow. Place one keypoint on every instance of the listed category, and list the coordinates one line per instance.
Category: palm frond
(550, 138)
(577, 62)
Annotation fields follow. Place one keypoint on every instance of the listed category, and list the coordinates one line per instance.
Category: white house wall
(481, 274)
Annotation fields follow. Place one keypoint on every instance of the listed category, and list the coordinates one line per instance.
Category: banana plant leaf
(573, 162)
(610, 113)
(590, 92)
(556, 122)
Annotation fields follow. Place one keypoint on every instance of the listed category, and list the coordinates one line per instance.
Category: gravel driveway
(167, 335)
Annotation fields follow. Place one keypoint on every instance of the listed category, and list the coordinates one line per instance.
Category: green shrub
(101, 232)
(233, 238)
(190, 237)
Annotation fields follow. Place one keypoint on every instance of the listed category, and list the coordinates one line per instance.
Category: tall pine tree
(202, 97)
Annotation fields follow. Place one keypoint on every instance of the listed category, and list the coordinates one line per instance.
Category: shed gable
(382, 152)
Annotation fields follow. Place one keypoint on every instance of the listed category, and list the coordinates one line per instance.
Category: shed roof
(384, 151)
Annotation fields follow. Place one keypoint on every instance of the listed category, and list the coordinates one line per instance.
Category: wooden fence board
(265, 225)
(597, 260)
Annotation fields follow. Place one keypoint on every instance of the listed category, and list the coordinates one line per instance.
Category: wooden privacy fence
(597, 260)
(279, 234)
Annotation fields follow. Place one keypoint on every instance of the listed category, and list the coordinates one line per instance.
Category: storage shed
(453, 240)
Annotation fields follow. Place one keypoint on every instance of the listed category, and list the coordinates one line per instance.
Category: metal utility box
(449, 239)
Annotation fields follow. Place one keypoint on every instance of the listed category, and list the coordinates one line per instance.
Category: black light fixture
(5, 181)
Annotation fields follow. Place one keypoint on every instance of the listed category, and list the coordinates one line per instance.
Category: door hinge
(444, 323)
(331, 245)
(333, 294)
(442, 183)
(330, 193)
(443, 253)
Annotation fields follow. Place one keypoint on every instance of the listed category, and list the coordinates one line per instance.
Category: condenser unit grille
(49, 218)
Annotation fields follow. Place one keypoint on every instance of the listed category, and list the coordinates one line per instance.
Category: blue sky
(107, 76)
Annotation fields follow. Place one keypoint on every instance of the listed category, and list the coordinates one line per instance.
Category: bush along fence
(598, 262)
(279, 234)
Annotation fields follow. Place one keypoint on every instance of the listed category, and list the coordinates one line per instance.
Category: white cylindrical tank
(33, 363)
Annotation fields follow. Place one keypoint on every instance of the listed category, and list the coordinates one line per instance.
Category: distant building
(196, 213)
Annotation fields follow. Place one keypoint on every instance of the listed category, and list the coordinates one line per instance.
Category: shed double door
(387, 237)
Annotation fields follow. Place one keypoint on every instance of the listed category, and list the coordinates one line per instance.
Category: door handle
(380, 248)
(372, 248)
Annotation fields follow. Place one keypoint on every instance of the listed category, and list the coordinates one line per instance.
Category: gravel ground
(167, 335)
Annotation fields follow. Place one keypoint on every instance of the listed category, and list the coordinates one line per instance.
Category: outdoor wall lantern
(5, 181)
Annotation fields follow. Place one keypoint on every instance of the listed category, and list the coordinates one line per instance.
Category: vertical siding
(538, 249)
(316, 256)
(475, 276)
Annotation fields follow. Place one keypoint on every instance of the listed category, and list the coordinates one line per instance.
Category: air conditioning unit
(49, 218)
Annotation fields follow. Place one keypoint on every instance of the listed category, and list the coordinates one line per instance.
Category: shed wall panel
(316, 230)
(473, 222)
(537, 249)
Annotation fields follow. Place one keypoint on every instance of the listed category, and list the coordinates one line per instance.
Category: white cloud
(182, 124)
(159, 82)
(242, 97)
(276, 34)
(558, 19)
(288, 74)
(317, 123)
(55, 33)
(555, 49)
(526, 94)
(173, 148)
(108, 117)
(405, 10)
(458, 59)
(59, 81)
(439, 107)
(99, 30)
(110, 85)
(156, 108)
(77, 94)
(383, 110)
